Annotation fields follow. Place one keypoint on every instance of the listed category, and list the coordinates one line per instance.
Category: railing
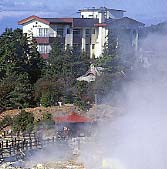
(16, 146)
(46, 35)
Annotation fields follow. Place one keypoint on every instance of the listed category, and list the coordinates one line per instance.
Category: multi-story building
(88, 33)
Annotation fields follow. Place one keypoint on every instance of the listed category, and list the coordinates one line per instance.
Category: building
(88, 33)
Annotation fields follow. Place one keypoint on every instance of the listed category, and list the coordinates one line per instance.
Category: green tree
(20, 67)
(24, 121)
(18, 53)
(114, 67)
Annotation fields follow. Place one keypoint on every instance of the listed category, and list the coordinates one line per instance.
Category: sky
(146, 11)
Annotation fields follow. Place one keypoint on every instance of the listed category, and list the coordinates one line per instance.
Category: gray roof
(84, 22)
(100, 9)
(124, 22)
(75, 22)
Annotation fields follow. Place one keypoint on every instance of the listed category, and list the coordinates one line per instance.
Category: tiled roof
(72, 118)
(30, 18)
(75, 22)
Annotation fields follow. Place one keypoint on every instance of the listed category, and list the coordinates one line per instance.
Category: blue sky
(11, 11)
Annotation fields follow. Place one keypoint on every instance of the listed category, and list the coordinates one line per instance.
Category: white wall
(101, 40)
(90, 14)
(32, 27)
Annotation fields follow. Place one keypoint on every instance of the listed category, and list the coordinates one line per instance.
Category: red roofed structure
(72, 118)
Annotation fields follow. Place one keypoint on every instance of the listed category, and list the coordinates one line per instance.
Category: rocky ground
(52, 165)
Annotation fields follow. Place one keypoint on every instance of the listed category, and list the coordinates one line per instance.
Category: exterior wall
(68, 37)
(94, 42)
(101, 40)
(89, 14)
(31, 28)
(102, 15)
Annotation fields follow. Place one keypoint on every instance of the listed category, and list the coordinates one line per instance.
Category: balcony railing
(45, 35)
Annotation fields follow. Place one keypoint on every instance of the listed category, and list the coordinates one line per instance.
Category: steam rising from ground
(138, 137)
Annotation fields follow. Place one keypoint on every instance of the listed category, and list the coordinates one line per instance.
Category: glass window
(68, 31)
(88, 31)
(76, 31)
(87, 49)
(43, 32)
(93, 46)
(60, 31)
(93, 31)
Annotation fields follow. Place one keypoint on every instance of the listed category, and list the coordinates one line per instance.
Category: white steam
(138, 138)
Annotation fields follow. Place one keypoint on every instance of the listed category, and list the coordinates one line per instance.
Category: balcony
(47, 40)
(42, 40)
(44, 55)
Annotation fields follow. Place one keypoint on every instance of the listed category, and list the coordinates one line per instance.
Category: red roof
(30, 18)
(46, 20)
(73, 118)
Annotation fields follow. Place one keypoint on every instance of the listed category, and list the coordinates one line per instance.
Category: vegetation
(20, 67)
(6, 121)
(27, 80)
(24, 121)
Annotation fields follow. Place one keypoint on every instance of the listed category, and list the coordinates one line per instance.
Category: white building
(88, 33)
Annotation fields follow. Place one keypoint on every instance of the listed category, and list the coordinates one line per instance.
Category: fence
(14, 147)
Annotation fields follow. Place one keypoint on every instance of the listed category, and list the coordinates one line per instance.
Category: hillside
(39, 111)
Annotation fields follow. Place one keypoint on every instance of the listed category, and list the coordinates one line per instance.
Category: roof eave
(22, 22)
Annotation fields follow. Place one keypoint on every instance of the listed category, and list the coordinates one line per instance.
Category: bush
(47, 121)
(47, 99)
(6, 121)
(81, 103)
(24, 121)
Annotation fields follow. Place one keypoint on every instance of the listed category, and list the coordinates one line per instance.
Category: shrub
(6, 121)
(24, 121)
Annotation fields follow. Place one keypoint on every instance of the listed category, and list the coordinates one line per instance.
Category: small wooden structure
(74, 125)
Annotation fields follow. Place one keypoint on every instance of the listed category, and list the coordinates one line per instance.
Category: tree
(19, 54)
(20, 67)
(24, 121)
(63, 67)
(115, 68)
(22, 94)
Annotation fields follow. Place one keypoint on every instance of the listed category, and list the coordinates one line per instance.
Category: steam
(138, 137)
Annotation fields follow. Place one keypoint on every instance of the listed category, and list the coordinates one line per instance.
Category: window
(93, 31)
(88, 32)
(77, 32)
(43, 32)
(77, 48)
(68, 31)
(60, 31)
(93, 46)
(43, 48)
(87, 49)
(68, 46)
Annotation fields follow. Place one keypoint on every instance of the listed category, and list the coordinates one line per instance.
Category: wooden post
(7, 143)
(30, 143)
